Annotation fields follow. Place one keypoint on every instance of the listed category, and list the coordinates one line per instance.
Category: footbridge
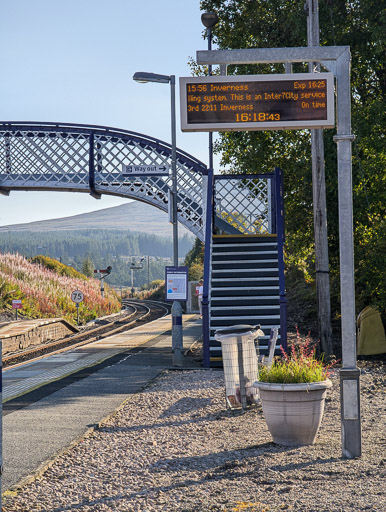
(80, 158)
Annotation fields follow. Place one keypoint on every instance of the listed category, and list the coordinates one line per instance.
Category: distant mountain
(134, 216)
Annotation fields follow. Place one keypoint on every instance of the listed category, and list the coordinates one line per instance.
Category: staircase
(244, 287)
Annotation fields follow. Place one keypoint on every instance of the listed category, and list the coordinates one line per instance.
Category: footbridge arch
(87, 158)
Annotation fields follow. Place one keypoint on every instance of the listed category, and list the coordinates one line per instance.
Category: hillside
(46, 292)
(102, 247)
(133, 216)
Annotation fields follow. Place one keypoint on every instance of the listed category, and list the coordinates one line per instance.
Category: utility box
(240, 364)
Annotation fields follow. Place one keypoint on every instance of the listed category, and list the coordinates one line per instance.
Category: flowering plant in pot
(292, 392)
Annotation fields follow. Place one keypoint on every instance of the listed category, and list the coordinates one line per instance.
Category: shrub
(47, 294)
(300, 366)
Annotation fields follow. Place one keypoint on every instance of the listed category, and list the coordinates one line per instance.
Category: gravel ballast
(175, 447)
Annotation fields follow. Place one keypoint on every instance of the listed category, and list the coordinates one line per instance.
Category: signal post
(104, 273)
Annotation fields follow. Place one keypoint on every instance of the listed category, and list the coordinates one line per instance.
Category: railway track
(134, 313)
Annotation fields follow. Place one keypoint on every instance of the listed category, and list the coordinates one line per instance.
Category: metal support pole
(174, 168)
(209, 20)
(177, 335)
(209, 32)
(164, 79)
(350, 413)
(102, 288)
(350, 403)
(177, 341)
(322, 277)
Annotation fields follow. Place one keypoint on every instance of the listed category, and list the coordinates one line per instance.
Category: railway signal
(105, 272)
(134, 266)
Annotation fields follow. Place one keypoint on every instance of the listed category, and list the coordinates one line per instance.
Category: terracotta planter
(293, 412)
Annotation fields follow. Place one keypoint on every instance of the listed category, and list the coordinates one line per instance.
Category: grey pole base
(350, 413)
(177, 340)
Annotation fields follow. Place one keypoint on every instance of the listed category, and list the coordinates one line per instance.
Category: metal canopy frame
(87, 158)
(337, 60)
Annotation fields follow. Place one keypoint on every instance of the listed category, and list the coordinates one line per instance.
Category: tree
(195, 261)
(88, 267)
(358, 23)
(6, 294)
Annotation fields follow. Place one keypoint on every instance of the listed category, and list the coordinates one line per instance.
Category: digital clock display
(257, 102)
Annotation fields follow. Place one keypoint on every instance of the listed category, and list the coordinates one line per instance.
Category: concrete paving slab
(41, 424)
(84, 356)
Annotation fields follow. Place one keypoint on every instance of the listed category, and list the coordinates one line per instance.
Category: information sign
(16, 304)
(257, 102)
(144, 170)
(77, 296)
(176, 283)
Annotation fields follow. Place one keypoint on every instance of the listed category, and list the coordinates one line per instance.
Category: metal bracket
(330, 65)
(338, 138)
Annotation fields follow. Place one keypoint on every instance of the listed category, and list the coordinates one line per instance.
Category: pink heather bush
(46, 294)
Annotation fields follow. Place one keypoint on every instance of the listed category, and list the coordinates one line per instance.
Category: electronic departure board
(257, 102)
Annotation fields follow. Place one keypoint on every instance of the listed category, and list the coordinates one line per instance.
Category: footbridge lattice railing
(244, 204)
(79, 158)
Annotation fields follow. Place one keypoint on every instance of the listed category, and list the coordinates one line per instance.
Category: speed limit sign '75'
(77, 296)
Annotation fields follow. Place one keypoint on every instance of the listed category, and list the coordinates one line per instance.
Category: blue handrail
(280, 254)
(205, 290)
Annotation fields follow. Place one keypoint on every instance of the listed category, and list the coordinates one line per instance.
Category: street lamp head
(143, 77)
(209, 19)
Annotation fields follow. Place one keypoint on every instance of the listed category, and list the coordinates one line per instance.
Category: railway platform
(51, 402)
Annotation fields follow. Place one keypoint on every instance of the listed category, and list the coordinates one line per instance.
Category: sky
(73, 62)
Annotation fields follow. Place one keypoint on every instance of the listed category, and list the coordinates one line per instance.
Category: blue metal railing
(207, 263)
(280, 254)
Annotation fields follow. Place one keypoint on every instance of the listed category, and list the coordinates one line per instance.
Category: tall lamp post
(143, 77)
(209, 20)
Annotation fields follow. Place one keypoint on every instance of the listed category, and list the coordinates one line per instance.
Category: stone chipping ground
(175, 447)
